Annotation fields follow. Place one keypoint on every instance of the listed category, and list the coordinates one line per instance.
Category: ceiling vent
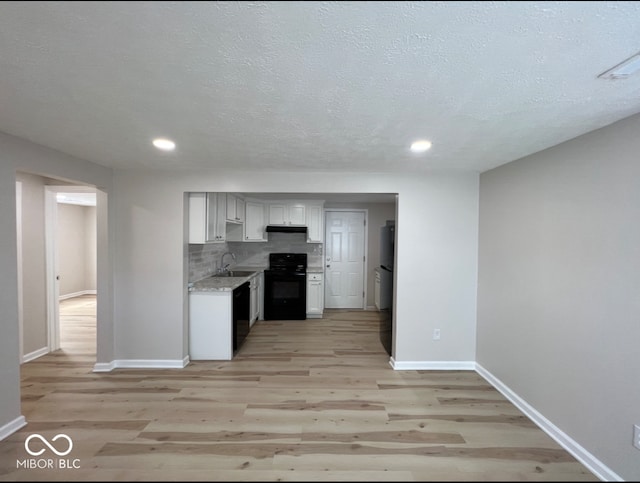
(623, 69)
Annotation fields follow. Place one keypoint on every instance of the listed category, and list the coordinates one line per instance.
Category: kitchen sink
(234, 273)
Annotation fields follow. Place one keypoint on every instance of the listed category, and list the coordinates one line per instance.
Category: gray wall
(17, 155)
(34, 308)
(558, 306)
(76, 246)
(437, 255)
(559, 287)
(143, 222)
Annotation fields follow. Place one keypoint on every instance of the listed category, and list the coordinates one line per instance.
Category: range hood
(286, 229)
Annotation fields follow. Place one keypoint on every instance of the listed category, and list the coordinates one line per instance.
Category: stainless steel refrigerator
(387, 257)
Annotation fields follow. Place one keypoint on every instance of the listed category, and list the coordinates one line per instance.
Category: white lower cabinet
(210, 326)
(315, 295)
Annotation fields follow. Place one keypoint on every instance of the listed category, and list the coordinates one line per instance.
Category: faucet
(225, 268)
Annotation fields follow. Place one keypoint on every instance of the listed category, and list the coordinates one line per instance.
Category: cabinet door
(277, 214)
(214, 232)
(216, 213)
(315, 224)
(210, 326)
(231, 213)
(315, 295)
(297, 214)
(254, 222)
(240, 209)
(197, 217)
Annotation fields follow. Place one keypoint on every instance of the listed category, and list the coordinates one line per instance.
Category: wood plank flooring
(312, 400)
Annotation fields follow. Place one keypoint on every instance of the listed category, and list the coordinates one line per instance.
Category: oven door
(285, 295)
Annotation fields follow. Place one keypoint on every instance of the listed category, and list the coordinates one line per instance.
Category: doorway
(71, 252)
(345, 267)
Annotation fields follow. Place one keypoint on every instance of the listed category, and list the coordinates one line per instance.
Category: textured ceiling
(340, 86)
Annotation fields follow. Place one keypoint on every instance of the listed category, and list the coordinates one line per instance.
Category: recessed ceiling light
(164, 144)
(623, 69)
(420, 146)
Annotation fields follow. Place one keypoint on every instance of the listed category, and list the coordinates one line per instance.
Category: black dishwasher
(241, 309)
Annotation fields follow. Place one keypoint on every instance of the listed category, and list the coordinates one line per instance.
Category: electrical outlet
(436, 334)
(636, 435)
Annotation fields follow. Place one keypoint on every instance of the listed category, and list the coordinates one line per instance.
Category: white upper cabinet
(198, 217)
(225, 217)
(277, 214)
(240, 209)
(287, 214)
(217, 213)
(235, 209)
(254, 226)
(297, 214)
(206, 218)
(315, 223)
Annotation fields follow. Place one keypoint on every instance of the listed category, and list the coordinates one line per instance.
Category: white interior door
(51, 267)
(344, 259)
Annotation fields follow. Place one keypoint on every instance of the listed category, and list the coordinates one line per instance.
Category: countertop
(228, 284)
(222, 284)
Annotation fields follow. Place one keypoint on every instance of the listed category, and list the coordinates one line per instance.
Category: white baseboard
(12, 426)
(433, 365)
(104, 366)
(594, 465)
(77, 294)
(35, 354)
(141, 364)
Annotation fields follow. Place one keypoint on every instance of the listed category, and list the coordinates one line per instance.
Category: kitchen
(527, 270)
(230, 233)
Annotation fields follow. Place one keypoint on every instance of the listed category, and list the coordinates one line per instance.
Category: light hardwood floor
(302, 400)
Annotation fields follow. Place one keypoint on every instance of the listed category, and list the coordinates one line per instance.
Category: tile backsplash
(257, 254)
(205, 259)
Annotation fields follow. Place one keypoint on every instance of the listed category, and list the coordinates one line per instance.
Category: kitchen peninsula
(222, 309)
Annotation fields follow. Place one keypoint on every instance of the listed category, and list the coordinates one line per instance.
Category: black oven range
(285, 287)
